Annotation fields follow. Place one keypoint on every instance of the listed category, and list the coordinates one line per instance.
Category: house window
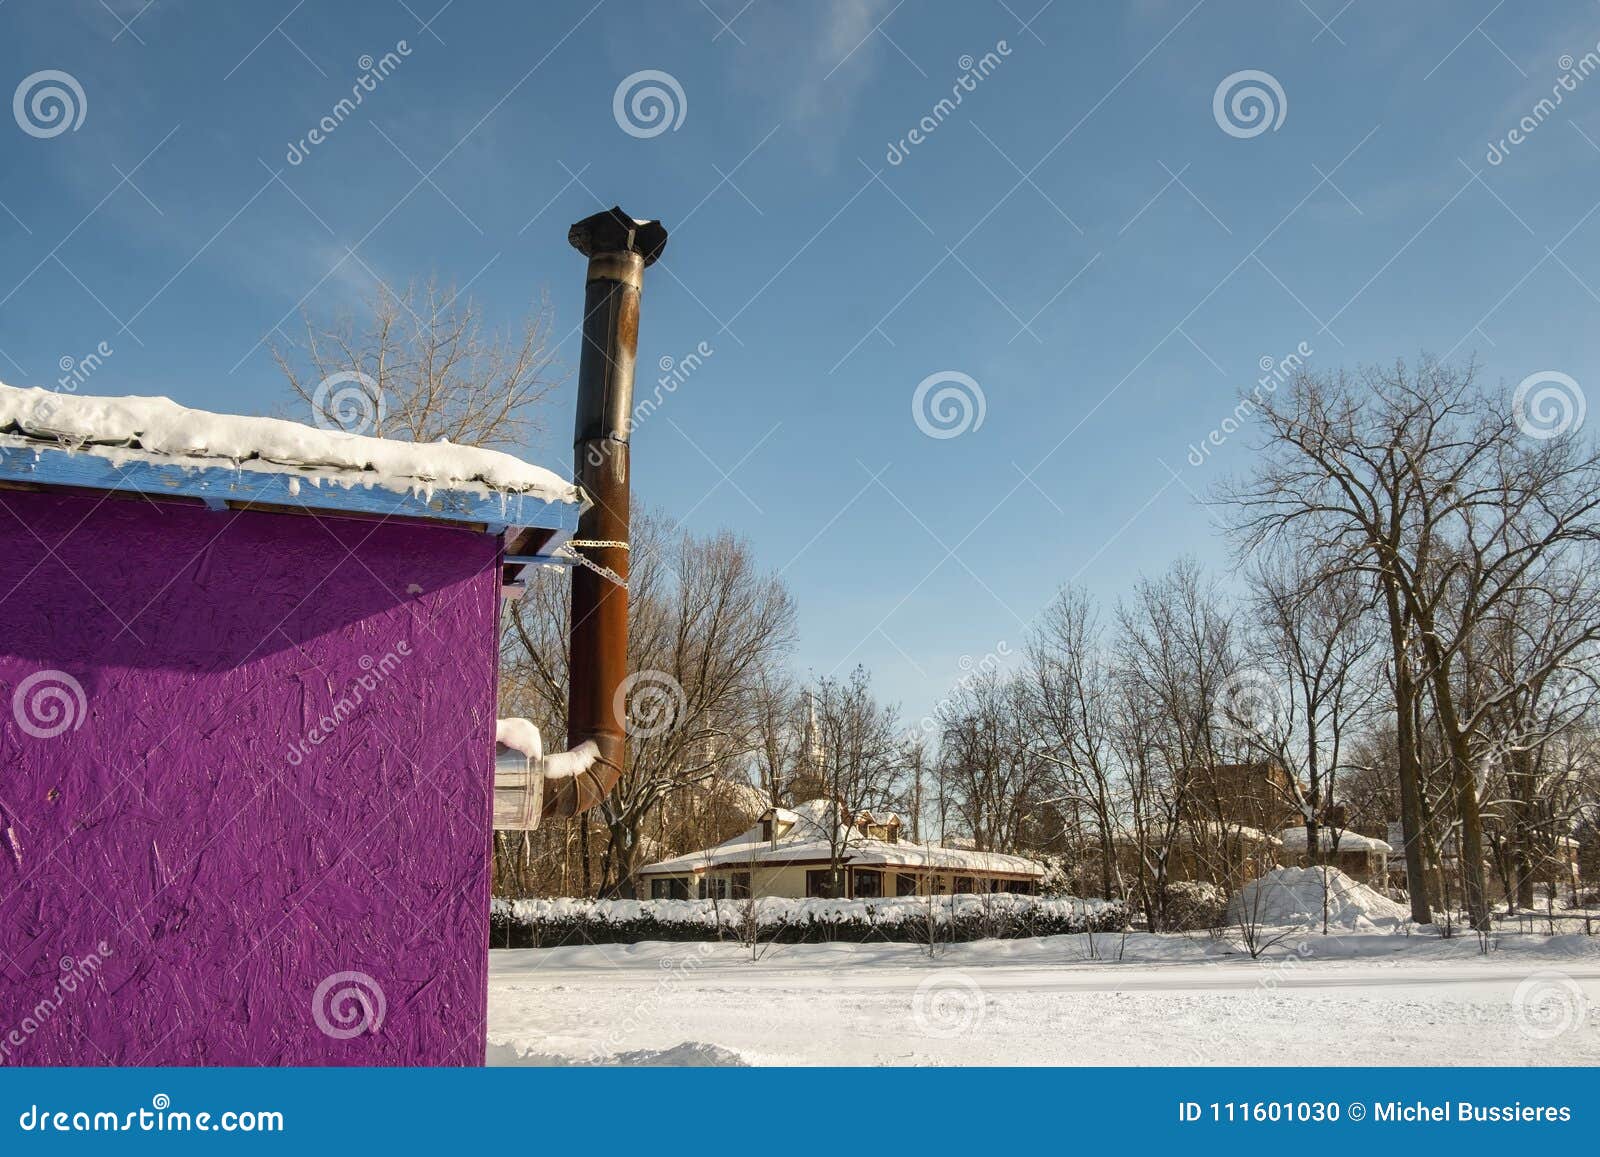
(869, 885)
(964, 885)
(669, 888)
(766, 830)
(741, 885)
(905, 884)
(821, 882)
(714, 888)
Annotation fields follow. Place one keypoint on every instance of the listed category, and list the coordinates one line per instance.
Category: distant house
(789, 853)
(1207, 851)
(1257, 795)
(1363, 858)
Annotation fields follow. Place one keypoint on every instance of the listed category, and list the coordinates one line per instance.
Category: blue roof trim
(217, 486)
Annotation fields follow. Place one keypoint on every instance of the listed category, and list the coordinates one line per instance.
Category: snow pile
(523, 923)
(1294, 897)
(159, 430)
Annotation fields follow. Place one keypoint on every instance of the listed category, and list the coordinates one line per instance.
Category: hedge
(1003, 916)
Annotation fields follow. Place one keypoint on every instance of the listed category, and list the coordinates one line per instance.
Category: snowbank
(159, 430)
(532, 923)
(1294, 897)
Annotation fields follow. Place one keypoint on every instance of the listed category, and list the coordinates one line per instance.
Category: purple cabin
(247, 734)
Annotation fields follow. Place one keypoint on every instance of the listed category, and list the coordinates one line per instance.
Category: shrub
(1194, 906)
(551, 923)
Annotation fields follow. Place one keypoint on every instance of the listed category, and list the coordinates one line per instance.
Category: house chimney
(618, 248)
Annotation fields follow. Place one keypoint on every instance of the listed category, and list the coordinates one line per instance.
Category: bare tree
(1315, 642)
(420, 366)
(991, 768)
(1418, 479)
(707, 631)
(778, 738)
(1172, 669)
(859, 749)
(1074, 696)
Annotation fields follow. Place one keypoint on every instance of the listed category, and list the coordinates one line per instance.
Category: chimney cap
(613, 231)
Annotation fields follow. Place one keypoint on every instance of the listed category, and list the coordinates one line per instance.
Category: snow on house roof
(1294, 840)
(158, 430)
(801, 834)
(1212, 829)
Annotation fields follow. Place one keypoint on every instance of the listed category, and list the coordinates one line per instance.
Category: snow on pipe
(523, 773)
(619, 248)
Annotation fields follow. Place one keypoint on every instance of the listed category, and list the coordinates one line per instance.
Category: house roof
(155, 446)
(806, 839)
(1212, 829)
(1294, 840)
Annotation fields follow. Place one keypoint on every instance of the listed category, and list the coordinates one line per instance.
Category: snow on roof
(806, 839)
(1294, 840)
(1212, 829)
(159, 430)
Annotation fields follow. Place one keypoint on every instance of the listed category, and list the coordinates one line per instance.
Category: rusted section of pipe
(618, 248)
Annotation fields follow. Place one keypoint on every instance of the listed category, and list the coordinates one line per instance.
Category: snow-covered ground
(1347, 999)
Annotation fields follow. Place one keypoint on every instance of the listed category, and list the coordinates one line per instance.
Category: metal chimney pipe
(618, 248)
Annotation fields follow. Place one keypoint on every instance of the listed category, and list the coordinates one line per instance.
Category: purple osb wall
(245, 766)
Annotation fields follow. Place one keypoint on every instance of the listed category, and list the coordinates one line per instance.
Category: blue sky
(1080, 237)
